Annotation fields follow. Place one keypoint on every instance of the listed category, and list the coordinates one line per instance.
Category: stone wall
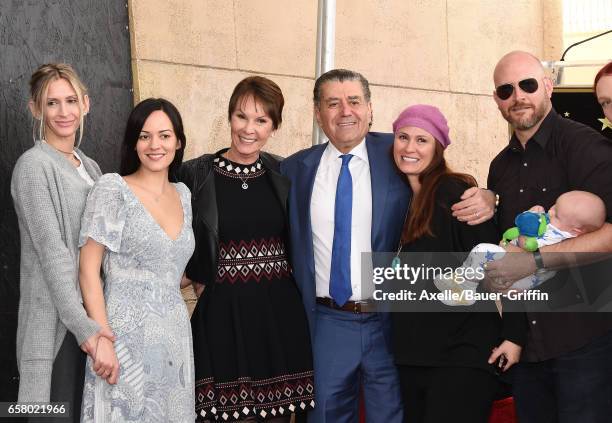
(440, 52)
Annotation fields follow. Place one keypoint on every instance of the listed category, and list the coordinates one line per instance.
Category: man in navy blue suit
(346, 198)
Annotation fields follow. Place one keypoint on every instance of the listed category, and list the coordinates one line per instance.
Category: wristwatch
(537, 256)
(496, 199)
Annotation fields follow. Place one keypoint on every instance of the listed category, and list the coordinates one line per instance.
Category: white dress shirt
(322, 207)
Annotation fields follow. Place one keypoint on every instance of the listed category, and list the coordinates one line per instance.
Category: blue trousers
(574, 388)
(353, 351)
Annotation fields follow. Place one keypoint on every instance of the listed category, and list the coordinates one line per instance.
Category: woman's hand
(476, 206)
(509, 352)
(198, 288)
(91, 344)
(185, 281)
(106, 364)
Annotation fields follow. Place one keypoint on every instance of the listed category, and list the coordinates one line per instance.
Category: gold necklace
(68, 153)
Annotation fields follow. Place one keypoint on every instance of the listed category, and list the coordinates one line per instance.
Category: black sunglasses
(529, 85)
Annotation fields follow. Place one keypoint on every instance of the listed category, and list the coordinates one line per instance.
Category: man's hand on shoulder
(477, 205)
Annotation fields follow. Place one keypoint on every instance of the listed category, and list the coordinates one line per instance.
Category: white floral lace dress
(142, 270)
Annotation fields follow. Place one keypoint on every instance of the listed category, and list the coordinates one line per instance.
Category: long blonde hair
(39, 86)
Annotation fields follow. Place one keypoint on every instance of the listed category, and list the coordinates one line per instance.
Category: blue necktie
(340, 276)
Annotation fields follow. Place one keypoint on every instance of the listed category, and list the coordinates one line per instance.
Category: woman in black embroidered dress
(250, 333)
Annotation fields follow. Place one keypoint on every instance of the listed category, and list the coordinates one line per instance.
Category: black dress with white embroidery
(251, 341)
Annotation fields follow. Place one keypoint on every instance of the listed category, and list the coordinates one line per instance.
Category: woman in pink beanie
(444, 359)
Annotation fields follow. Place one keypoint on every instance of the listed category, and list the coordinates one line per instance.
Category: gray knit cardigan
(49, 197)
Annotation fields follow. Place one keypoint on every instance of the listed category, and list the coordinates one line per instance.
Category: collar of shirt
(541, 136)
(564, 234)
(332, 155)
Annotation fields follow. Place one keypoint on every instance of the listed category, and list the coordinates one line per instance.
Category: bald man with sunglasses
(565, 374)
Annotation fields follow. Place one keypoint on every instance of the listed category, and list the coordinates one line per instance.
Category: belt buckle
(359, 306)
(362, 306)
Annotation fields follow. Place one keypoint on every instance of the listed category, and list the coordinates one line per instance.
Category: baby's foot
(456, 289)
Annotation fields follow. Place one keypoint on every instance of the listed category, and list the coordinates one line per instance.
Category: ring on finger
(476, 214)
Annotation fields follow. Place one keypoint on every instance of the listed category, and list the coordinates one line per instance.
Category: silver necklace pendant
(245, 185)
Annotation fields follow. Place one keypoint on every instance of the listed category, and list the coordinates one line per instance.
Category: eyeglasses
(529, 85)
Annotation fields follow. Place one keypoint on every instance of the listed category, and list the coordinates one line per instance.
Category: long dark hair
(422, 207)
(129, 158)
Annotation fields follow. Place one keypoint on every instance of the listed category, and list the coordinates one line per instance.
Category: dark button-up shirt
(563, 155)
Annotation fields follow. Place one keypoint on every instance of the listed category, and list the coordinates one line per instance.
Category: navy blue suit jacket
(390, 199)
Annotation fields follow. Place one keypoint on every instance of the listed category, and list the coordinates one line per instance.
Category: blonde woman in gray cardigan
(49, 186)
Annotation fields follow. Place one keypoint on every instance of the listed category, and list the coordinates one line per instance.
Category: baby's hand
(537, 209)
(521, 241)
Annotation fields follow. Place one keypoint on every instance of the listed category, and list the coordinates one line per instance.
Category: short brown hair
(39, 84)
(264, 91)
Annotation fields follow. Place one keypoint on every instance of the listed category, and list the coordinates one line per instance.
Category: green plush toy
(529, 224)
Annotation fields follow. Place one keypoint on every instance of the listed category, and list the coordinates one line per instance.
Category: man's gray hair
(340, 75)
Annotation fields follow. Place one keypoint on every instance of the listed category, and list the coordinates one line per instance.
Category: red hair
(606, 70)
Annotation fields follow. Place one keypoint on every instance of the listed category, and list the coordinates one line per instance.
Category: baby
(573, 214)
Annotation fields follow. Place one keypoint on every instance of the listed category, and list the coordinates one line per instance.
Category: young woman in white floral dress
(137, 229)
